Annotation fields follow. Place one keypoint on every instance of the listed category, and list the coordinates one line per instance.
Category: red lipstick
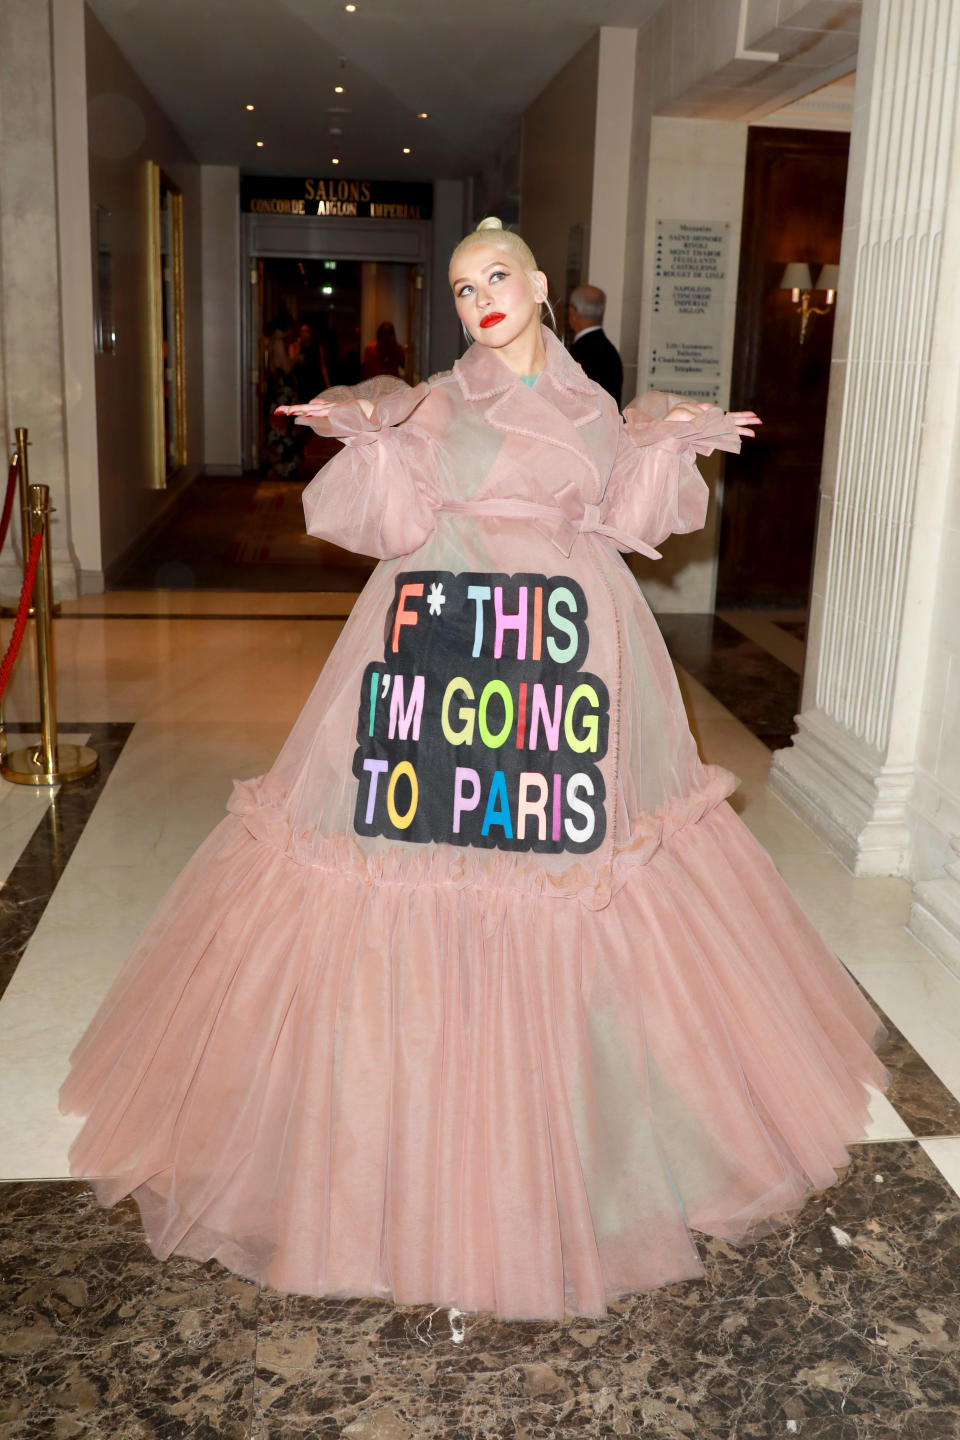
(494, 318)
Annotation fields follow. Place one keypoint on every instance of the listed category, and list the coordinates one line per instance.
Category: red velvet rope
(8, 498)
(23, 609)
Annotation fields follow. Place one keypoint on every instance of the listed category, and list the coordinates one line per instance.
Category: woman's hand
(684, 414)
(741, 420)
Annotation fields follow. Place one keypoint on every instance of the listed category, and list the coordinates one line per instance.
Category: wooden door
(793, 210)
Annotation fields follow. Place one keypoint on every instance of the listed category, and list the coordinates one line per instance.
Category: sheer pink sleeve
(378, 495)
(655, 488)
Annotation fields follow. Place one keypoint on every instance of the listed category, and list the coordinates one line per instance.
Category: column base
(935, 913)
(64, 580)
(842, 789)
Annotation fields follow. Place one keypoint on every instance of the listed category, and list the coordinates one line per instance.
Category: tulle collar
(481, 374)
(553, 411)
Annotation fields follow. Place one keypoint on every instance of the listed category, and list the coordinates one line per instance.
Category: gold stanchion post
(48, 763)
(23, 475)
(23, 443)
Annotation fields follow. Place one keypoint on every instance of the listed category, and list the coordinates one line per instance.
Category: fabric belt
(560, 523)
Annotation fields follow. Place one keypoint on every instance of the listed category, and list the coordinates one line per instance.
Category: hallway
(842, 1324)
(240, 533)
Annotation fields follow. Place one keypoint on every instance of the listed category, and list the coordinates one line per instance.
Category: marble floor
(844, 1324)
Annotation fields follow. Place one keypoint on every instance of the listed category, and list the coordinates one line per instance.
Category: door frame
(297, 237)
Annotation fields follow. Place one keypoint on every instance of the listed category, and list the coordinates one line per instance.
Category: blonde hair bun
(490, 222)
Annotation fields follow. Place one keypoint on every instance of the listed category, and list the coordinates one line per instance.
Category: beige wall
(32, 382)
(696, 173)
(76, 300)
(125, 128)
(606, 259)
(556, 167)
(222, 385)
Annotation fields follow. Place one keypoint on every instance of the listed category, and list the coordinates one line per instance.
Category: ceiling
(472, 65)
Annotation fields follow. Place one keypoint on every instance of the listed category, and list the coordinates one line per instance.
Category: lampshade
(828, 277)
(797, 276)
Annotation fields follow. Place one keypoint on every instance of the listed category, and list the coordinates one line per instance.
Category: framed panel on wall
(164, 331)
(104, 322)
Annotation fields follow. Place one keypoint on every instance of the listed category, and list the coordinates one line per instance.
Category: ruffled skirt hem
(453, 1094)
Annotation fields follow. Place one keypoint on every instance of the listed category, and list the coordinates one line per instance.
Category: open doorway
(792, 224)
(323, 322)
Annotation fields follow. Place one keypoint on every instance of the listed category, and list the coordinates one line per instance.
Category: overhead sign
(686, 331)
(335, 195)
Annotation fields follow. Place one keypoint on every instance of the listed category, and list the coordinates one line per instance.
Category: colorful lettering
(491, 740)
(374, 681)
(464, 736)
(590, 723)
(528, 808)
(521, 714)
(403, 615)
(580, 833)
(481, 718)
(539, 713)
(479, 594)
(375, 769)
(402, 771)
(505, 622)
(403, 720)
(461, 801)
(537, 623)
(560, 654)
(498, 807)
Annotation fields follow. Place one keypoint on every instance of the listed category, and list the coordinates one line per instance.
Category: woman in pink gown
(482, 996)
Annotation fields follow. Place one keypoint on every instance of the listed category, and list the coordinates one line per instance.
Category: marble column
(32, 386)
(891, 436)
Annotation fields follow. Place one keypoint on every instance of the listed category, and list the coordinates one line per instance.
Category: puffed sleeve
(655, 488)
(377, 496)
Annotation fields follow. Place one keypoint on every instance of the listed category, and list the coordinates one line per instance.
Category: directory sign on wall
(686, 329)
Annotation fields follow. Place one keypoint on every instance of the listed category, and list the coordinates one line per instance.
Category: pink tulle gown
(483, 996)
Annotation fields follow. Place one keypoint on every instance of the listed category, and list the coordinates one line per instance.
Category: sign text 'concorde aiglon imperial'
(336, 195)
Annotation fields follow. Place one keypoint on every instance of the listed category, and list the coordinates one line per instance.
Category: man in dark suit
(591, 349)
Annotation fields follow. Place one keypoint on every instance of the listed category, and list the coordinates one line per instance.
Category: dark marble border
(916, 1091)
(756, 687)
(843, 1324)
(26, 891)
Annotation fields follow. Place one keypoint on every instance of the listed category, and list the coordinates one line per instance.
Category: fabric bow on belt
(560, 523)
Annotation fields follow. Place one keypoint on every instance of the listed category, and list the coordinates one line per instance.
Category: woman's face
(495, 298)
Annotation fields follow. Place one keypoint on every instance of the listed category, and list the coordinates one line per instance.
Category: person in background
(348, 367)
(281, 445)
(309, 365)
(383, 356)
(594, 353)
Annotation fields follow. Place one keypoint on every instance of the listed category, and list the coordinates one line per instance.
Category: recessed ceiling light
(423, 115)
(349, 9)
(249, 107)
(335, 161)
(259, 144)
(338, 89)
(406, 149)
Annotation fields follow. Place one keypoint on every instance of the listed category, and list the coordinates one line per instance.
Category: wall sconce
(797, 278)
